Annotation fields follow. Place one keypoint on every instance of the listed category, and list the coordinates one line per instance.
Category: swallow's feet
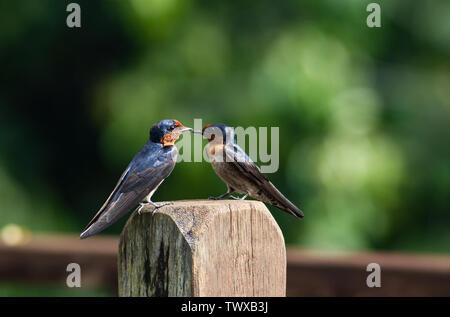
(157, 206)
(215, 198)
(141, 205)
(239, 198)
(221, 196)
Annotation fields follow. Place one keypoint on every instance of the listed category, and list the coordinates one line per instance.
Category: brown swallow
(239, 172)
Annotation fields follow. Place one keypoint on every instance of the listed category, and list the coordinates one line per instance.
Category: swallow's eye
(171, 128)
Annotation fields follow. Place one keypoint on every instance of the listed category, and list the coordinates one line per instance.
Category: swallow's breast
(214, 151)
(226, 170)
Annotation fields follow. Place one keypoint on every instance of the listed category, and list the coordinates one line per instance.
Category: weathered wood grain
(203, 248)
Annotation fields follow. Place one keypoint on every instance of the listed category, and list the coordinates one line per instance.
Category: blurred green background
(364, 113)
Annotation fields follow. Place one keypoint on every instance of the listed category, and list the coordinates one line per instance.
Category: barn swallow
(239, 172)
(148, 169)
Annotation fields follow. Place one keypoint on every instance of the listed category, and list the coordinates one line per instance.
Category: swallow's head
(167, 132)
(219, 133)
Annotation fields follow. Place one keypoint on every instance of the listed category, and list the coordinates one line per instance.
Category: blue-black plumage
(148, 169)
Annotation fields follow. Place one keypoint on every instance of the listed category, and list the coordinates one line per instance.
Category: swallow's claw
(239, 198)
(160, 205)
(221, 196)
(157, 206)
(141, 205)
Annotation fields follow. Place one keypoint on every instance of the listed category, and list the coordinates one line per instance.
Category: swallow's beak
(184, 129)
(181, 128)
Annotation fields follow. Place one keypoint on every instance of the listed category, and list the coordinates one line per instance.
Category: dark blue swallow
(148, 169)
(239, 172)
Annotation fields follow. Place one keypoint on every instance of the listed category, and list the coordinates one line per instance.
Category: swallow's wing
(143, 175)
(267, 191)
(114, 192)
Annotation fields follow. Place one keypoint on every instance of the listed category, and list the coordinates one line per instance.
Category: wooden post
(203, 248)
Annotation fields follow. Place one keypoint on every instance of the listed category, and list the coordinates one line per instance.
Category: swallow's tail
(92, 229)
(89, 231)
(274, 197)
(102, 220)
(110, 212)
(85, 234)
(291, 208)
(95, 225)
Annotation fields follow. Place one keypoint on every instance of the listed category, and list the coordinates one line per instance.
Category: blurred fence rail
(309, 273)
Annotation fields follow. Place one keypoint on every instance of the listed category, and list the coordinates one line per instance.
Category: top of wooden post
(203, 248)
(194, 216)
